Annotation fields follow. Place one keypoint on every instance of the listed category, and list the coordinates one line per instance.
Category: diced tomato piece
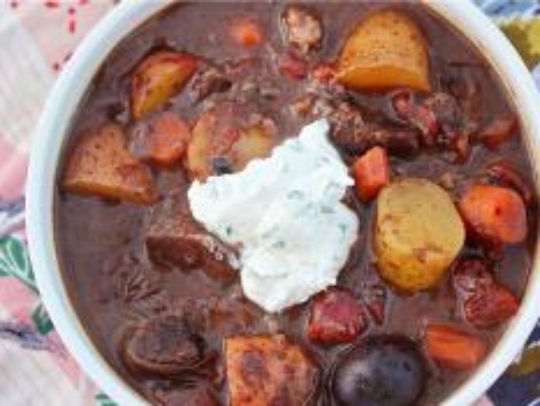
(494, 214)
(292, 67)
(247, 33)
(490, 306)
(371, 173)
(336, 317)
(453, 348)
(163, 140)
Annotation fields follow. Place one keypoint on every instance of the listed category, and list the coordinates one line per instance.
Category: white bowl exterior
(64, 100)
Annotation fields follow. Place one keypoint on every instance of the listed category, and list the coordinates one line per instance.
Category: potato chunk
(222, 134)
(386, 50)
(268, 370)
(418, 234)
(159, 77)
(101, 165)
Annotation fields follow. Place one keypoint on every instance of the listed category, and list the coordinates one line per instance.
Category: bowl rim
(64, 100)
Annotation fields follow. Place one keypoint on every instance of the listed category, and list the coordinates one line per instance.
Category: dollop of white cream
(286, 216)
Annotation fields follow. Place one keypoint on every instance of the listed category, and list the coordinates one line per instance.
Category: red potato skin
(494, 214)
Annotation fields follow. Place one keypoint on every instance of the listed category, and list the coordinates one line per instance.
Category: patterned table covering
(37, 37)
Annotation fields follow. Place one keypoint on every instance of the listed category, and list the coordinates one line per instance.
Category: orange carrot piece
(168, 140)
(453, 348)
(494, 214)
(371, 173)
(247, 33)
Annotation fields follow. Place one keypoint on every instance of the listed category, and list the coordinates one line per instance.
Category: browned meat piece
(211, 79)
(164, 346)
(174, 238)
(302, 29)
(353, 136)
(268, 370)
(101, 165)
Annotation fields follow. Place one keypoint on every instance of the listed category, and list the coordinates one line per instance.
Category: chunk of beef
(165, 346)
(438, 118)
(349, 131)
(354, 136)
(210, 79)
(302, 29)
(268, 370)
(175, 238)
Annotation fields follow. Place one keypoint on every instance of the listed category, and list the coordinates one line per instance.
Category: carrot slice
(247, 33)
(494, 214)
(163, 140)
(454, 348)
(371, 173)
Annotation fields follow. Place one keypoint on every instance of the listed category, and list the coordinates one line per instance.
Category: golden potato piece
(159, 77)
(268, 370)
(386, 50)
(254, 142)
(418, 234)
(222, 133)
(101, 165)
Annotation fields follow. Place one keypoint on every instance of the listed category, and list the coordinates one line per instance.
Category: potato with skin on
(268, 370)
(418, 233)
(222, 133)
(159, 77)
(101, 165)
(386, 50)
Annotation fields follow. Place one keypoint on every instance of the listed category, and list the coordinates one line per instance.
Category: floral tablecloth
(37, 37)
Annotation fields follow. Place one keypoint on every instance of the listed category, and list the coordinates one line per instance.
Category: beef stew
(411, 107)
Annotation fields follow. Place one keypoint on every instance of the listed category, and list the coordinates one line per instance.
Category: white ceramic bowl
(63, 103)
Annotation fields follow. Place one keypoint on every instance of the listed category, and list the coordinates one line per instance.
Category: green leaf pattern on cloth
(103, 400)
(41, 319)
(14, 262)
